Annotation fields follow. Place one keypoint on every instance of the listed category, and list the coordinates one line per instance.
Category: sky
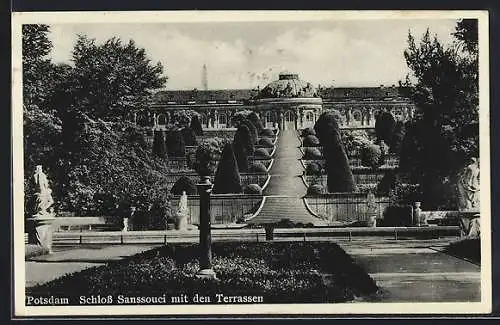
(247, 54)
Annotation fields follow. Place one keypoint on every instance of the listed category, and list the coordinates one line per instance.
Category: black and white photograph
(251, 163)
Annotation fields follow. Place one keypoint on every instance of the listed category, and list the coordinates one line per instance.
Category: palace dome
(288, 86)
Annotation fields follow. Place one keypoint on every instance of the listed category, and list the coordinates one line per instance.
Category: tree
(159, 146)
(112, 78)
(384, 126)
(445, 131)
(340, 178)
(397, 137)
(37, 68)
(256, 121)
(175, 144)
(206, 156)
(254, 135)
(189, 136)
(227, 177)
(196, 125)
(243, 146)
(371, 156)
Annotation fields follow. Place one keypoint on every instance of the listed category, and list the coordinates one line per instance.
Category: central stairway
(283, 197)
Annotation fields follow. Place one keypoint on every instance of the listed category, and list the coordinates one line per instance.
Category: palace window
(222, 118)
(309, 117)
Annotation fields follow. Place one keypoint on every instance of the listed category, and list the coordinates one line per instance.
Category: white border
(20, 309)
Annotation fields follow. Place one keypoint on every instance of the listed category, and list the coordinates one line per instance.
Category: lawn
(278, 272)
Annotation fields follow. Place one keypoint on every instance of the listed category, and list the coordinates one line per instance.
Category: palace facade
(286, 103)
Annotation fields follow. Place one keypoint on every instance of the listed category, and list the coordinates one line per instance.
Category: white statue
(43, 195)
(371, 210)
(183, 211)
(468, 187)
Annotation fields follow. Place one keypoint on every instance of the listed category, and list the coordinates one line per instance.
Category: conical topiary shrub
(227, 177)
(256, 121)
(159, 146)
(196, 125)
(243, 147)
(175, 144)
(340, 178)
(189, 136)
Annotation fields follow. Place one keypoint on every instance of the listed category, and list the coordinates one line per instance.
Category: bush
(227, 177)
(189, 137)
(398, 216)
(387, 183)
(262, 153)
(308, 131)
(340, 178)
(267, 132)
(257, 167)
(310, 141)
(312, 154)
(315, 189)
(397, 137)
(183, 184)
(253, 189)
(371, 156)
(159, 147)
(279, 272)
(266, 142)
(313, 169)
(196, 125)
(175, 144)
(254, 118)
(243, 147)
(206, 156)
(384, 126)
(254, 134)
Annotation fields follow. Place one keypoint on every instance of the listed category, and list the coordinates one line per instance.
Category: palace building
(286, 103)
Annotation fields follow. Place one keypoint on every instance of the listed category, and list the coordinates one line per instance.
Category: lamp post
(204, 190)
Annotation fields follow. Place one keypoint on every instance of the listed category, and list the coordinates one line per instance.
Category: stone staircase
(284, 194)
(277, 208)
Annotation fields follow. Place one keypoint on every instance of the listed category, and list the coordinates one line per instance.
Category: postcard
(261, 163)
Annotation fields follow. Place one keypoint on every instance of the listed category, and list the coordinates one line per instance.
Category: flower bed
(278, 272)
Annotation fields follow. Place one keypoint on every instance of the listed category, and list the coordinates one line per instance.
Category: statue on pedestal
(468, 187)
(468, 199)
(44, 215)
(182, 212)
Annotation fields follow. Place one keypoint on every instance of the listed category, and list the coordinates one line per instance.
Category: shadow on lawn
(467, 249)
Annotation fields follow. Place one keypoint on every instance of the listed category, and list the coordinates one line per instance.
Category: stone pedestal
(44, 230)
(204, 190)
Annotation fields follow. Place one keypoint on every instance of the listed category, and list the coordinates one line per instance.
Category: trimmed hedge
(315, 189)
(371, 156)
(159, 146)
(312, 153)
(308, 131)
(279, 272)
(310, 141)
(252, 189)
(267, 132)
(313, 169)
(266, 142)
(257, 167)
(227, 177)
(262, 153)
(183, 184)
